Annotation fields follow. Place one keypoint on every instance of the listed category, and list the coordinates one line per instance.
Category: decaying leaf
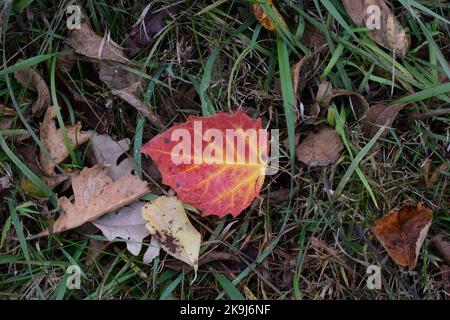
(86, 42)
(265, 19)
(53, 140)
(441, 243)
(143, 31)
(380, 116)
(127, 224)
(6, 117)
(204, 178)
(326, 92)
(107, 152)
(127, 86)
(320, 149)
(32, 80)
(5, 182)
(312, 37)
(95, 194)
(402, 233)
(379, 19)
(168, 222)
(152, 251)
(300, 73)
(432, 178)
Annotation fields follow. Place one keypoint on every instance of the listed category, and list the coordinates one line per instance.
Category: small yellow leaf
(168, 222)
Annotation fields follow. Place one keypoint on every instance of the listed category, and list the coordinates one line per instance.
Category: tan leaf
(441, 243)
(265, 19)
(320, 149)
(53, 140)
(379, 19)
(168, 222)
(402, 233)
(95, 194)
(380, 116)
(32, 80)
(86, 42)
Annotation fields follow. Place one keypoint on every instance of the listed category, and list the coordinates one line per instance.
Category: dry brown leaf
(265, 19)
(320, 149)
(388, 33)
(326, 92)
(434, 178)
(312, 37)
(441, 243)
(380, 116)
(402, 233)
(169, 224)
(127, 86)
(28, 154)
(95, 194)
(32, 80)
(53, 140)
(6, 117)
(300, 73)
(143, 31)
(86, 42)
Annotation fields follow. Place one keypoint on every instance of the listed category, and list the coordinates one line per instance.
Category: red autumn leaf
(213, 163)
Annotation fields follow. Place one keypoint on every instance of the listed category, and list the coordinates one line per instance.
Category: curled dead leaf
(95, 194)
(380, 116)
(402, 233)
(53, 140)
(379, 19)
(32, 80)
(320, 149)
(441, 243)
(300, 73)
(326, 92)
(168, 222)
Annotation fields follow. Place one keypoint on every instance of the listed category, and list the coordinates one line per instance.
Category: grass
(221, 51)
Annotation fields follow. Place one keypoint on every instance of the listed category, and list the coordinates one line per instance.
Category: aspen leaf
(204, 178)
(402, 233)
(169, 224)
